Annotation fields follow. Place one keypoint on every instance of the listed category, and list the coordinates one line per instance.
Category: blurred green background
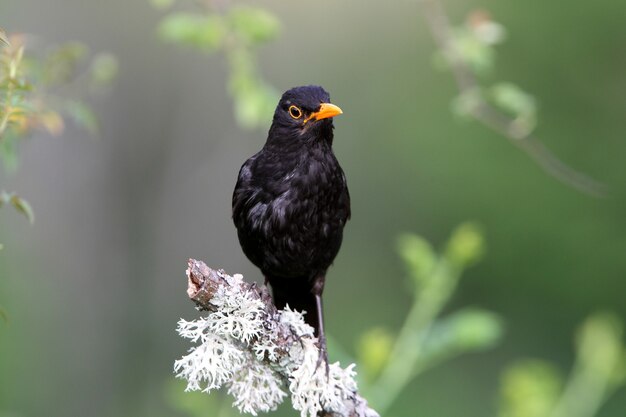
(93, 290)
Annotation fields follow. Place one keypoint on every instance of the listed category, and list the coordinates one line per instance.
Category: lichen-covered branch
(260, 354)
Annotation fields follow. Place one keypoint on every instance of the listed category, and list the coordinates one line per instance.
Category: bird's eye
(295, 112)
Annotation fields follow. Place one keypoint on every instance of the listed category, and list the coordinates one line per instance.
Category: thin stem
(583, 395)
(7, 108)
(495, 119)
(5, 120)
(408, 347)
(13, 65)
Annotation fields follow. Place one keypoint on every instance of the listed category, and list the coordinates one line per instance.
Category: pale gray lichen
(239, 314)
(295, 320)
(312, 390)
(256, 387)
(211, 363)
(258, 353)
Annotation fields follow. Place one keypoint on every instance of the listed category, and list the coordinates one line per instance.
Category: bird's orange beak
(326, 110)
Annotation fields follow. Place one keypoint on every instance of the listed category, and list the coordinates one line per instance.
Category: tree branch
(257, 351)
(495, 119)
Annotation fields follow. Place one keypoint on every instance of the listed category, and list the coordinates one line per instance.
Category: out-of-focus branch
(534, 387)
(257, 351)
(237, 32)
(599, 370)
(425, 338)
(494, 118)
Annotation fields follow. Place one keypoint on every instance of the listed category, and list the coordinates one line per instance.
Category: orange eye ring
(295, 112)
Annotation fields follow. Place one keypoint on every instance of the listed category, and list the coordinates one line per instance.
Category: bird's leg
(318, 288)
(321, 338)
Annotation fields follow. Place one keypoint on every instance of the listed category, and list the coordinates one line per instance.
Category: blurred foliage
(535, 388)
(39, 91)
(373, 350)
(468, 52)
(18, 203)
(425, 339)
(4, 40)
(237, 32)
(474, 43)
(530, 388)
(518, 104)
(505, 96)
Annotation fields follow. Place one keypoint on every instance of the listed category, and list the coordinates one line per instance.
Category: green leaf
(19, 85)
(205, 32)
(468, 330)
(254, 25)
(18, 203)
(104, 68)
(512, 98)
(466, 245)
(83, 116)
(373, 351)
(4, 39)
(530, 388)
(476, 54)
(254, 103)
(418, 255)
(521, 105)
(599, 346)
(471, 329)
(23, 207)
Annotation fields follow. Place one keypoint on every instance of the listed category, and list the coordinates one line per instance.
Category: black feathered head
(303, 114)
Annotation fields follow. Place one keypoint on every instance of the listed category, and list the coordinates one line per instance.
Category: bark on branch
(258, 352)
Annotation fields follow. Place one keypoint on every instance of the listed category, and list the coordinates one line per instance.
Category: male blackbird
(291, 203)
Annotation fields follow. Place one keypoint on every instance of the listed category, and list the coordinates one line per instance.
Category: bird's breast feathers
(290, 216)
(302, 198)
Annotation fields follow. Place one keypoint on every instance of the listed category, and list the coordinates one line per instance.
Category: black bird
(291, 203)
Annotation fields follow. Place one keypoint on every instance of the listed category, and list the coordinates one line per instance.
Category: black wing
(243, 193)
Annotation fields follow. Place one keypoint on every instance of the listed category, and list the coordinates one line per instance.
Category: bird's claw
(323, 356)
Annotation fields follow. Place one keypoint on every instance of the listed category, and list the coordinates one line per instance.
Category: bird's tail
(299, 297)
